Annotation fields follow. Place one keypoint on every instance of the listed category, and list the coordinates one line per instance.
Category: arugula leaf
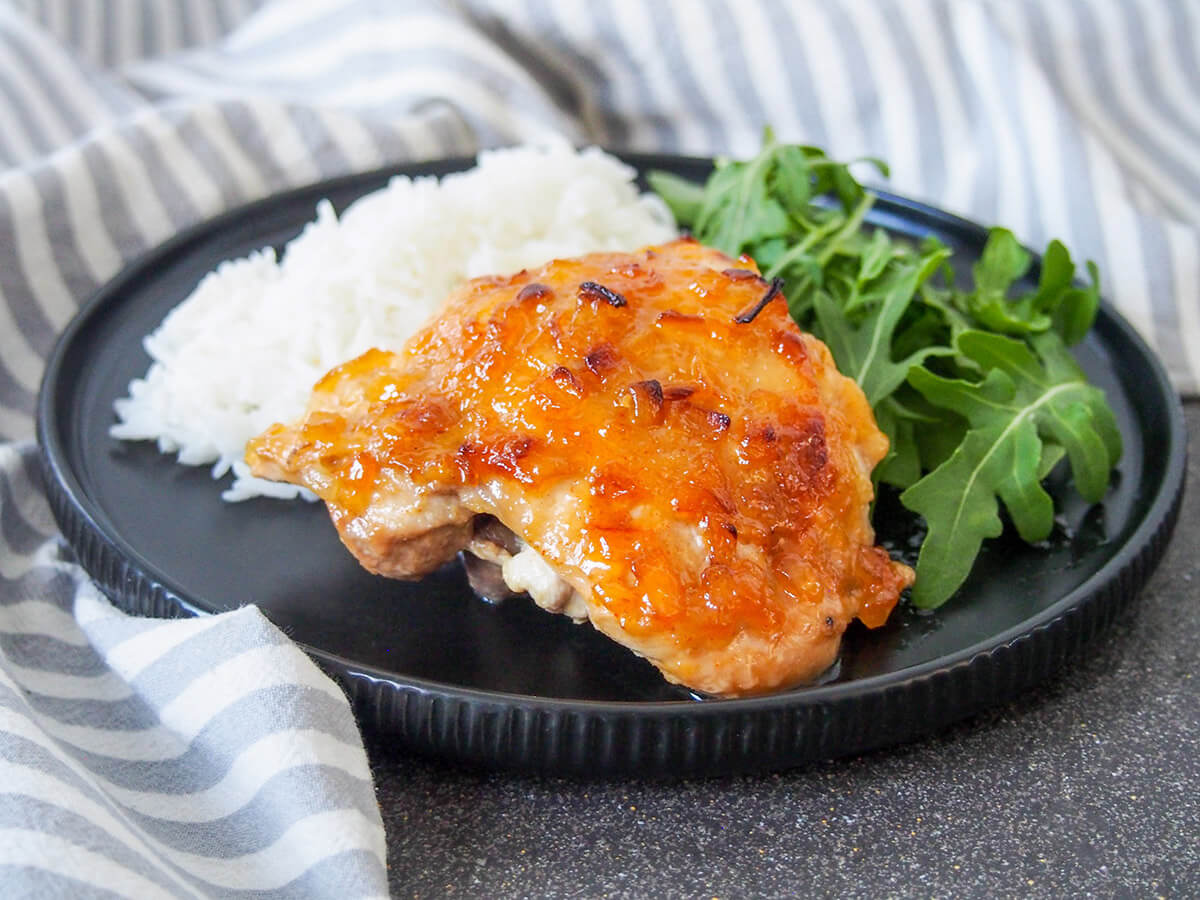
(863, 350)
(683, 197)
(793, 178)
(1003, 262)
(1011, 412)
(739, 205)
(876, 255)
(1072, 309)
(922, 436)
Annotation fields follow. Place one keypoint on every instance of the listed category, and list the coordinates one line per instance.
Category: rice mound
(244, 349)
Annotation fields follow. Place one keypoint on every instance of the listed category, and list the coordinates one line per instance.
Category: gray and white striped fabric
(210, 757)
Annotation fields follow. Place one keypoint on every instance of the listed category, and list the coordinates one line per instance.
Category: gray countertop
(1087, 785)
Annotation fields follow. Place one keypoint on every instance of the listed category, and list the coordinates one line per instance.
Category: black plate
(507, 684)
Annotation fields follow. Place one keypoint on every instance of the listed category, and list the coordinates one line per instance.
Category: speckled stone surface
(1086, 786)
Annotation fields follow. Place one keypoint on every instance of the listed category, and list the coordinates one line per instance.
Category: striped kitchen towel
(210, 757)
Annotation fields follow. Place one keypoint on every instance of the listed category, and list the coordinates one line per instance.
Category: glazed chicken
(645, 441)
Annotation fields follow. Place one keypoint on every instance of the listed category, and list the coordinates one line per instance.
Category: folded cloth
(190, 757)
(210, 757)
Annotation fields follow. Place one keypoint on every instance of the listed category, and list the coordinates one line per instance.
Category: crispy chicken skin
(678, 462)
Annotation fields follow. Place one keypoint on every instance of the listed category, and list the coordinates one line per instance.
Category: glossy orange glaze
(693, 476)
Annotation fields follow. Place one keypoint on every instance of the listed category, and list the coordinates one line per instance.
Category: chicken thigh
(646, 441)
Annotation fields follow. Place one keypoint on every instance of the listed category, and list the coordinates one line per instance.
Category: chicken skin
(644, 440)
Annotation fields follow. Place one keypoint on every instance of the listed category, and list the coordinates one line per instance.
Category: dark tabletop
(1087, 785)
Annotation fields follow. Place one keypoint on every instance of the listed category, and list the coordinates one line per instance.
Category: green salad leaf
(975, 387)
(1023, 415)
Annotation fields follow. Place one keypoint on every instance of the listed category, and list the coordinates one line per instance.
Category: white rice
(244, 349)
